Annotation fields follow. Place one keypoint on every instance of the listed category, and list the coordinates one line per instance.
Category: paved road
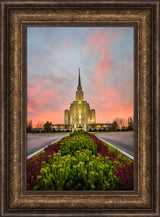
(38, 141)
(123, 141)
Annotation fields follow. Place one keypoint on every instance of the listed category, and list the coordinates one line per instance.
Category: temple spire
(79, 92)
(79, 81)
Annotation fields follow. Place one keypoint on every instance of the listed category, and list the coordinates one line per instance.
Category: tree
(48, 126)
(29, 126)
(114, 125)
(40, 124)
(119, 122)
(130, 123)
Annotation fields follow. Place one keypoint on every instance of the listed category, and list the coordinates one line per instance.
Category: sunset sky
(105, 58)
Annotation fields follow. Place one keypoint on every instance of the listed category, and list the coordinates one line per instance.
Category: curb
(123, 152)
(31, 155)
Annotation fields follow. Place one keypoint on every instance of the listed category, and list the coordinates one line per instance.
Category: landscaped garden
(79, 161)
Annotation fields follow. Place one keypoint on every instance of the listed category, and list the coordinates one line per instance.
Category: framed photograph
(80, 108)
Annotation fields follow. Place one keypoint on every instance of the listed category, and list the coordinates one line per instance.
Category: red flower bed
(125, 174)
(102, 149)
(33, 170)
(35, 164)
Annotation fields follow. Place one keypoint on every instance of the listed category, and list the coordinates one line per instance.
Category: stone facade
(79, 114)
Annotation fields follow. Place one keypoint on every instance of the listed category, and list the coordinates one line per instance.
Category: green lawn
(93, 132)
(50, 133)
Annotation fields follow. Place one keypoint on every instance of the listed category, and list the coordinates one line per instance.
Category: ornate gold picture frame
(144, 17)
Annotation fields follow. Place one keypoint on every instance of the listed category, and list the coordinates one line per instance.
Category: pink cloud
(53, 116)
(110, 115)
(44, 101)
(100, 44)
(110, 102)
(31, 107)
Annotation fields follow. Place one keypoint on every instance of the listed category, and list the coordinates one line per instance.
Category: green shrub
(77, 141)
(83, 171)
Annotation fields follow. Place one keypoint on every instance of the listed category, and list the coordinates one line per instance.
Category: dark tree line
(123, 124)
(47, 126)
